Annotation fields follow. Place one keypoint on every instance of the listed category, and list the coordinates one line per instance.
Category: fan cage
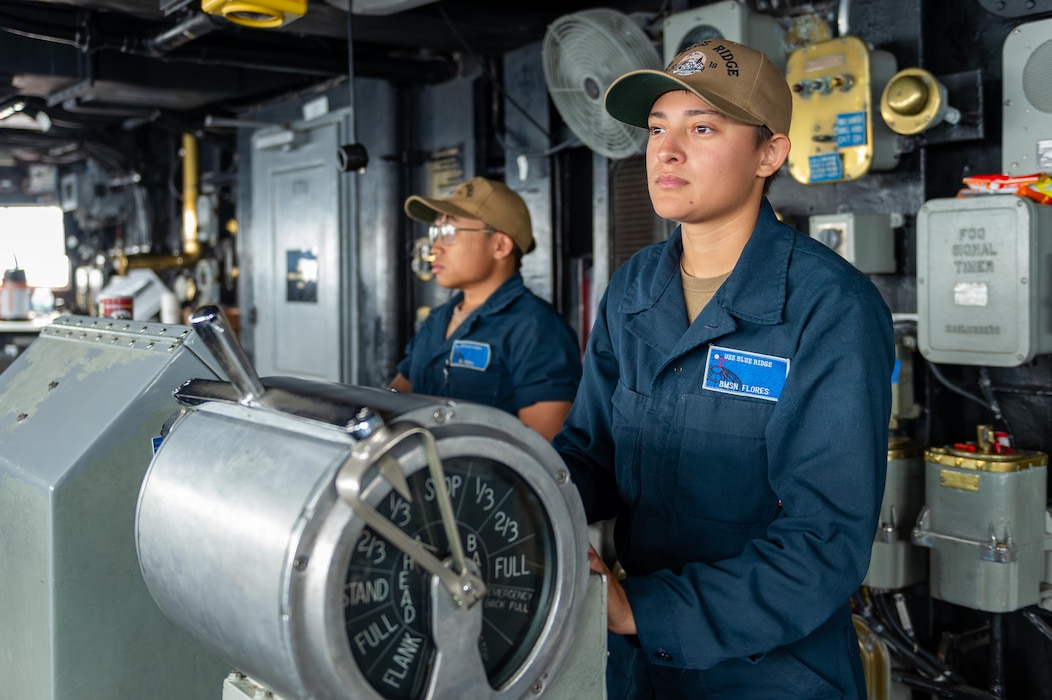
(583, 54)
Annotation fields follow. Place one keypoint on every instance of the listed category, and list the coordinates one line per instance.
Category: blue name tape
(742, 373)
(470, 355)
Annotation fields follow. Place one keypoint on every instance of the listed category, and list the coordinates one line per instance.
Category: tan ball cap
(490, 201)
(736, 80)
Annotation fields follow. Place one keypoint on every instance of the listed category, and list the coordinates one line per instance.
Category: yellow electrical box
(833, 132)
(263, 14)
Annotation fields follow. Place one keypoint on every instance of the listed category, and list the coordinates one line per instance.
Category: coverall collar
(755, 292)
(502, 296)
(756, 288)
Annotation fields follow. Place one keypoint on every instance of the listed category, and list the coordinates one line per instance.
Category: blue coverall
(744, 457)
(510, 353)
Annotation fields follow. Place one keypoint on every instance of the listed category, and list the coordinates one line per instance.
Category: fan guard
(583, 53)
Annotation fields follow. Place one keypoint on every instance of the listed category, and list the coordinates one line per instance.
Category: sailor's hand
(619, 618)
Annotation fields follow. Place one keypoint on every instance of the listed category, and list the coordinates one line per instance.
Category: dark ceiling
(93, 66)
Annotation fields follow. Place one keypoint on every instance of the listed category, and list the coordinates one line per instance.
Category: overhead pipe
(192, 28)
(258, 13)
(395, 66)
(425, 68)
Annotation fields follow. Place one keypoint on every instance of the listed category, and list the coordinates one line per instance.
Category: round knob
(831, 237)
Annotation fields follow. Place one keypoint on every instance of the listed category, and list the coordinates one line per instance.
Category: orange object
(1040, 191)
(1036, 186)
(1000, 183)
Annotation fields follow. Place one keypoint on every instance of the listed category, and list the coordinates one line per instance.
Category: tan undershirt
(698, 291)
(459, 314)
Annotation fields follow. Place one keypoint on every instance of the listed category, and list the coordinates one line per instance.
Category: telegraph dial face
(506, 537)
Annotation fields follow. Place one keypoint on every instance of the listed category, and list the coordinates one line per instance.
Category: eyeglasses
(447, 233)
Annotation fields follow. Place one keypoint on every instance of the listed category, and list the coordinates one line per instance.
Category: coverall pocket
(721, 461)
(472, 385)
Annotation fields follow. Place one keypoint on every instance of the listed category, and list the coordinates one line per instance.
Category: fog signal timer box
(983, 294)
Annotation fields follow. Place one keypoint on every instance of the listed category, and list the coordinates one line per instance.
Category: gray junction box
(867, 241)
(987, 526)
(982, 285)
(895, 562)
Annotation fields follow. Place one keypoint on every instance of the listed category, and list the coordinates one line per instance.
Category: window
(33, 238)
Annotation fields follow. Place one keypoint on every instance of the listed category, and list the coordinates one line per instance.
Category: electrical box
(836, 84)
(1026, 145)
(93, 202)
(867, 241)
(724, 20)
(903, 403)
(895, 562)
(43, 179)
(984, 520)
(73, 189)
(982, 280)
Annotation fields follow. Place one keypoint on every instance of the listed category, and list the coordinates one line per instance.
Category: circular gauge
(389, 546)
(505, 538)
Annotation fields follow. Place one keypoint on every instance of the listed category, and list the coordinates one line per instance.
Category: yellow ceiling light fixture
(262, 14)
